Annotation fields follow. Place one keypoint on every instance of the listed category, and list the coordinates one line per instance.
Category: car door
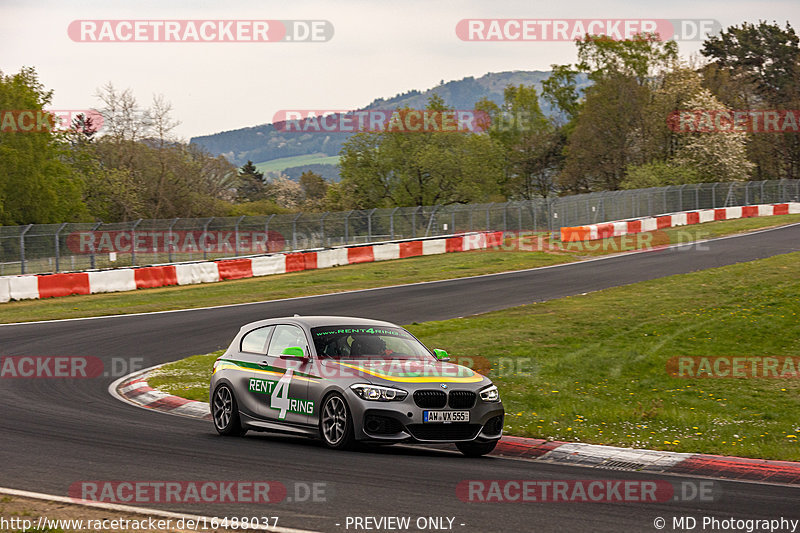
(286, 378)
(251, 353)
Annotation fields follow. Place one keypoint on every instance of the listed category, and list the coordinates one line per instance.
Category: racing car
(344, 379)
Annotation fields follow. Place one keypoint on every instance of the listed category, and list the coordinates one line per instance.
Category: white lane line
(356, 291)
(137, 510)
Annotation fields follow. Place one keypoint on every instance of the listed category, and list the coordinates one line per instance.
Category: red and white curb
(134, 389)
(619, 228)
(29, 287)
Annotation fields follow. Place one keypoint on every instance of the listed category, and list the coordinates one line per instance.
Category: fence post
(680, 192)
(430, 220)
(92, 258)
(762, 192)
(294, 231)
(347, 227)
(714, 196)
(322, 228)
(369, 224)
(236, 236)
(57, 248)
(169, 245)
(204, 238)
(414, 221)
(22, 248)
(391, 221)
(696, 197)
(133, 243)
(488, 208)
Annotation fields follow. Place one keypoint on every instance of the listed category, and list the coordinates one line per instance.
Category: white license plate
(445, 416)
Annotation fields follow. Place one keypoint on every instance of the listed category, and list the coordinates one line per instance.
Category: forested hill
(262, 143)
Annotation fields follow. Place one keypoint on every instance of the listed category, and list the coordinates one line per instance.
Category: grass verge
(593, 368)
(364, 276)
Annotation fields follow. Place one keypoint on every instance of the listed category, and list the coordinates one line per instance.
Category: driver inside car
(369, 345)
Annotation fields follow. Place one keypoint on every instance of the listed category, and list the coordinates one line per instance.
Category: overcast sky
(380, 48)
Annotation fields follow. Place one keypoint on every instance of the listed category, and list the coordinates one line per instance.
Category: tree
(251, 183)
(604, 141)
(36, 185)
(531, 144)
(314, 189)
(717, 156)
(611, 131)
(408, 168)
(757, 66)
(642, 57)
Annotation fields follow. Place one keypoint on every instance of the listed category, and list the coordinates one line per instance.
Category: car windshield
(361, 342)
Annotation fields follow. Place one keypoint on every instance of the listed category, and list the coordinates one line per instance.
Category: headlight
(490, 394)
(379, 394)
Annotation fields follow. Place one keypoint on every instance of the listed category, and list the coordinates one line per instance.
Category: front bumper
(390, 422)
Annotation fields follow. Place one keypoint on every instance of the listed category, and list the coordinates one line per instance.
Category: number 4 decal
(280, 396)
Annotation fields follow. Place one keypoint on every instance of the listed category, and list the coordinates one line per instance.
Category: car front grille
(443, 432)
(462, 399)
(430, 399)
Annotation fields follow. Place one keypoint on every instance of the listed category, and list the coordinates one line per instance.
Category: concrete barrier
(119, 280)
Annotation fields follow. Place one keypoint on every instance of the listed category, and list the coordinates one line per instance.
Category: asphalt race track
(57, 432)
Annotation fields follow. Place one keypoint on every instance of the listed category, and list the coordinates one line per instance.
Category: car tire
(476, 449)
(225, 412)
(336, 423)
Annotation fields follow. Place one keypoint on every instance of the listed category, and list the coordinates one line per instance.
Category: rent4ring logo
(67, 367)
(200, 31)
(549, 30)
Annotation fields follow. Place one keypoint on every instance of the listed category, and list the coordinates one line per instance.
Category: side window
(286, 336)
(256, 340)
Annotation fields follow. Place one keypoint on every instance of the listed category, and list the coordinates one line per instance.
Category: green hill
(279, 151)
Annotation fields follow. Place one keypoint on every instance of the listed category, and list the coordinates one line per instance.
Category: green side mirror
(441, 355)
(293, 352)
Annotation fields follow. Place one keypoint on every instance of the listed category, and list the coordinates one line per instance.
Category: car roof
(318, 321)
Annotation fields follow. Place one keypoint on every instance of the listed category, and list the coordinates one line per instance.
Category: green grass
(595, 365)
(276, 165)
(354, 277)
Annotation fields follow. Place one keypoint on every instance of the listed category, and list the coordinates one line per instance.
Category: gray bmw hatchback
(348, 379)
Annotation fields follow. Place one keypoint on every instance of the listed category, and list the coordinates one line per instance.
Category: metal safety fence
(41, 248)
